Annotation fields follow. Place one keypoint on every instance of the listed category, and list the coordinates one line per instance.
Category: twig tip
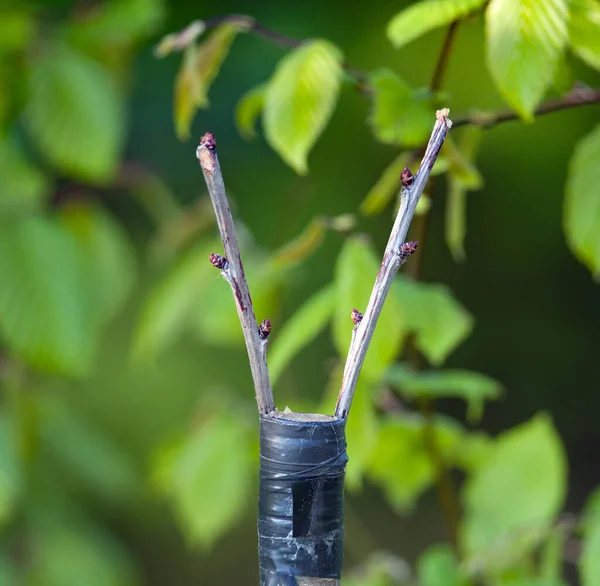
(443, 115)
(205, 153)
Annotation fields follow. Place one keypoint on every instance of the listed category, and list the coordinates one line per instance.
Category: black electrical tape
(301, 499)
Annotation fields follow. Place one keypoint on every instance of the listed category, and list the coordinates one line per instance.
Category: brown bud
(264, 329)
(356, 316)
(407, 249)
(406, 177)
(218, 261)
(208, 141)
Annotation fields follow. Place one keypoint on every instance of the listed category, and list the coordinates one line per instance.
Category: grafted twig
(393, 257)
(233, 271)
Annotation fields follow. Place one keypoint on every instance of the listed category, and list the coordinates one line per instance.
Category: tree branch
(442, 63)
(579, 96)
(392, 259)
(233, 272)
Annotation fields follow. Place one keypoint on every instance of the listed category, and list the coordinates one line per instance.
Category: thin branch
(442, 63)
(233, 271)
(392, 259)
(580, 96)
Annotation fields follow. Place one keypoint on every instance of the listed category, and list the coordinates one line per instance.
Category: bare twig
(392, 260)
(233, 271)
(580, 96)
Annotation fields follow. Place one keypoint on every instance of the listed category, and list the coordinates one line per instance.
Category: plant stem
(234, 273)
(409, 199)
(442, 63)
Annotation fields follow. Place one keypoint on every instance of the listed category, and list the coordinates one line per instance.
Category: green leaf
(45, 317)
(584, 31)
(422, 17)
(166, 312)
(512, 499)
(86, 456)
(10, 472)
(582, 202)
(400, 115)
(207, 479)
(403, 440)
(248, 109)
(355, 273)
(439, 321)
(75, 114)
(551, 558)
(589, 560)
(387, 186)
(300, 100)
(438, 566)
(525, 42)
(473, 387)
(199, 68)
(301, 329)
(108, 257)
(24, 187)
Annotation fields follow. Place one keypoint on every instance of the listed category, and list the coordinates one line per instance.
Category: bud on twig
(264, 329)
(218, 261)
(407, 249)
(406, 177)
(356, 316)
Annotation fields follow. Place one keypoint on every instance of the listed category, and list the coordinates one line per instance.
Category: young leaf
(45, 317)
(525, 42)
(248, 109)
(355, 273)
(10, 472)
(300, 100)
(473, 387)
(512, 499)
(439, 321)
(438, 566)
(75, 114)
(386, 188)
(399, 115)
(207, 479)
(582, 202)
(24, 186)
(584, 31)
(199, 68)
(301, 329)
(108, 258)
(425, 16)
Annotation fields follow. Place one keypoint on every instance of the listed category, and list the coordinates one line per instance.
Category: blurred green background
(88, 442)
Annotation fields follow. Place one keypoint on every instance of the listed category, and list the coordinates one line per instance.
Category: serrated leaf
(402, 439)
(438, 566)
(207, 480)
(525, 42)
(387, 186)
(355, 274)
(107, 257)
(399, 115)
(10, 471)
(440, 323)
(300, 330)
(199, 68)
(512, 499)
(75, 114)
(582, 202)
(473, 387)
(248, 110)
(422, 17)
(584, 31)
(45, 317)
(24, 187)
(300, 100)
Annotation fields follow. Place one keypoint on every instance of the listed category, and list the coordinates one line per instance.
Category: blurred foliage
(109, 306)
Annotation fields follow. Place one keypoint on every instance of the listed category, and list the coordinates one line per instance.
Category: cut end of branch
(356, 316)
(205, 153)
(442, 115)
(264, 329)
(218, 261)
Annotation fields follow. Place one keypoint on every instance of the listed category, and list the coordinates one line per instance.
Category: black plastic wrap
(301, 498)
